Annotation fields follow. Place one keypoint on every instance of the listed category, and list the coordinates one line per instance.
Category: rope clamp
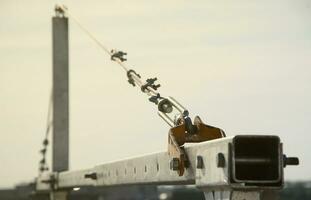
(118, 54)
(150, 83)
(130, 78)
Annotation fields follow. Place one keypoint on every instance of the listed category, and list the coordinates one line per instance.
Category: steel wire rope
(149, 90)
(49, 124)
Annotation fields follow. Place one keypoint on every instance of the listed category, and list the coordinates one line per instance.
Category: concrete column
(60, 152)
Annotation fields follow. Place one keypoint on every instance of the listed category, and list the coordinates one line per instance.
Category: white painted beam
(155, 169)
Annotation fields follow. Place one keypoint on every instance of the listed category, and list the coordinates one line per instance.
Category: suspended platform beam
(223, 168)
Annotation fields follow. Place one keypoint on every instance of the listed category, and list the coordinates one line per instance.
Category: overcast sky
(244, 66)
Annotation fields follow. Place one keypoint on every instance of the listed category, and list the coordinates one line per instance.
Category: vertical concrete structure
(60, 152)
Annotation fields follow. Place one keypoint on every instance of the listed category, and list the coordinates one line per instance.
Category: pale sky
(244, 66)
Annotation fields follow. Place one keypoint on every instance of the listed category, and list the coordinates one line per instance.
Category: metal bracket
(180, 135)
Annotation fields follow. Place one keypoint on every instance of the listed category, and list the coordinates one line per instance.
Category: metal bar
(213, 174)
(178, 106)
(60, 152)
(147, 169)
(253, 161)
(166, 118)
(214, 171)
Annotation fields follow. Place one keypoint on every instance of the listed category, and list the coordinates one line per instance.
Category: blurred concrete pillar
(60, 158)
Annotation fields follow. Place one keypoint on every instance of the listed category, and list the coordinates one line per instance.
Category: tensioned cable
(149, 90)
(49, 123)
(165, 105)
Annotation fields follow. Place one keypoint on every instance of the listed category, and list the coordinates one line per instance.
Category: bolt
(290, 161)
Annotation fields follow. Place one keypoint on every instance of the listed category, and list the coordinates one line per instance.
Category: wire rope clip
(43, 151)
(118, 54)
(130, 77)
(150, 83)
(42, 169)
